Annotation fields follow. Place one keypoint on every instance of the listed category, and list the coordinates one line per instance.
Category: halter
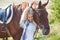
(41, 9)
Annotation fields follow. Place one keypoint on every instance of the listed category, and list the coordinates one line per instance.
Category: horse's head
(43, 17)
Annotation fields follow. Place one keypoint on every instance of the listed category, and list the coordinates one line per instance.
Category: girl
(28, 24)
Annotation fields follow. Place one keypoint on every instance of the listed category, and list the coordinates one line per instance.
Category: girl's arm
(23, 18)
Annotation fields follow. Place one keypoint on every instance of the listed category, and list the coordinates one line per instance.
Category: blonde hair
(25, 13)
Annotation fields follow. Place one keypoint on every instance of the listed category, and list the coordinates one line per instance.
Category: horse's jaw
(45, 31)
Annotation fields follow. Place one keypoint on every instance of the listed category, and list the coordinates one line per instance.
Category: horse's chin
(45, 31)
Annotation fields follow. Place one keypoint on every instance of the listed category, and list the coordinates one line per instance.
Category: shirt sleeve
(22, 20)
(22, 24)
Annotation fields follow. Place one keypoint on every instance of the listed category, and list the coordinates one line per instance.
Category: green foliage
(56, 10)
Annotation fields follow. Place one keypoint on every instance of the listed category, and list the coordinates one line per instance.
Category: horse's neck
(16, 14)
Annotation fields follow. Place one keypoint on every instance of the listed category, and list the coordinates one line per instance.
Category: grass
(9, 38)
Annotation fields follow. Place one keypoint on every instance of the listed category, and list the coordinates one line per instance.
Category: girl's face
(30, 17)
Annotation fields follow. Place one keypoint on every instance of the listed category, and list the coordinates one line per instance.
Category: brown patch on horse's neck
(16, 14)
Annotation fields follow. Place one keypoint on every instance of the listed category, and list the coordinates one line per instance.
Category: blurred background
(53, 9)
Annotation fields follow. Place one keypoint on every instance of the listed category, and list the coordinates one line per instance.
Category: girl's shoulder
(26, 21)
(34, 23)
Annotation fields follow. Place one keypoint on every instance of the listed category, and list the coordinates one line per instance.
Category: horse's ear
(31, 5)
(45, 3)
(39, 4)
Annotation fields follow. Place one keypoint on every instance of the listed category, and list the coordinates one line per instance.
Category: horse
(14, 27)
(16, 9)
(43, 17)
